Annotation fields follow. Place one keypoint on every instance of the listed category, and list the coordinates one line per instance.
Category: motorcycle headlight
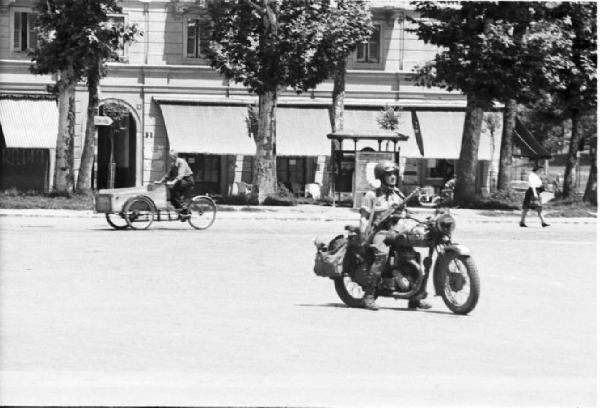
(445, 224)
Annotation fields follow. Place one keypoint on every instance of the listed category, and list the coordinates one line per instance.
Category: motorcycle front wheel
(461, 286)
(349, 291)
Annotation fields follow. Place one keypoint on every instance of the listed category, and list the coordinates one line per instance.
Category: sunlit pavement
(234, 316)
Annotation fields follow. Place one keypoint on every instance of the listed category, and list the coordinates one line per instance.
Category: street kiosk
(352, 167)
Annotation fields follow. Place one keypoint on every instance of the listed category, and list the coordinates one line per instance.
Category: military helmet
(385, 167)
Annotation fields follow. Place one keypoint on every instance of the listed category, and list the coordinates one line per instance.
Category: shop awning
(442, 135)
(207, 129)
(365, 121)
(29, 123)
(303, 131)
(528, 144)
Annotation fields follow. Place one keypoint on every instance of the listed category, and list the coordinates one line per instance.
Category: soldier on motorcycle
(376, 203)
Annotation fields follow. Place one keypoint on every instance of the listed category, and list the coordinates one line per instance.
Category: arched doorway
(117, 146)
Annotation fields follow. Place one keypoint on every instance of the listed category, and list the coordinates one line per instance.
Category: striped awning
(442, 135)
(303, 131)
(207, 129)
(29, 123)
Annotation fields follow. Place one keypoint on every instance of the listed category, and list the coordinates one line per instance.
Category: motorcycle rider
(375, 203)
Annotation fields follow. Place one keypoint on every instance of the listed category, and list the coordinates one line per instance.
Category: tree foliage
(270, 45)
(77, 34)
(75, 38)
(273, 43)
(510, 52)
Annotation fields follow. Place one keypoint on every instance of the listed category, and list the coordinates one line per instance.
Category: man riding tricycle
(138, 207)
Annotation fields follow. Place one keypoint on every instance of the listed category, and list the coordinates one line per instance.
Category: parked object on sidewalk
(428, 198)
(239, 188)
(138, 207)
(313, 190)
(455, 276)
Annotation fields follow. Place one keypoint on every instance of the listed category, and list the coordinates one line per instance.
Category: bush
(15, 199)
(238, 200)
(283, 197)
(274, 199)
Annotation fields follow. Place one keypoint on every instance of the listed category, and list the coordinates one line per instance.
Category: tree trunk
(591, 189)
(337, 96)
(506, 144)
(63, 172)
(84, 179)
(265, 174)
(570, 180)
(466, 189)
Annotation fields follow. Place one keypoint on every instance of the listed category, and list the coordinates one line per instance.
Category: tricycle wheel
(203, 212)
(139, 212)
(116, 221)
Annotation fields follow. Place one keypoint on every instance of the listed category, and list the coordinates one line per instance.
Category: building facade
(172, 99)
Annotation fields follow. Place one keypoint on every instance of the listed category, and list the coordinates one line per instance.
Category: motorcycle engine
(402, 283)
(405, 273)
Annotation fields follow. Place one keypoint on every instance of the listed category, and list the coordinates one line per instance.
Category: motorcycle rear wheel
(349, 291)
(461, 285)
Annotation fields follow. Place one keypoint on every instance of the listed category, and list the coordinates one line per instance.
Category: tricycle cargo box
(112, 200)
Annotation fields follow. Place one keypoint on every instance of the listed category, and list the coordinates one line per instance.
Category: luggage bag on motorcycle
(329, 260)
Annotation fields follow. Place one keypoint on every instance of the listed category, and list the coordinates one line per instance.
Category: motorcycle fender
(458, 249)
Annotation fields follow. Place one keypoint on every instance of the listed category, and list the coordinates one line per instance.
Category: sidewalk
(313, 213)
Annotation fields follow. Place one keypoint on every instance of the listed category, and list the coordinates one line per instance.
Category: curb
(330, 215)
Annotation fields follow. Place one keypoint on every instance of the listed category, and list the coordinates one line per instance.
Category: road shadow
(397, 309)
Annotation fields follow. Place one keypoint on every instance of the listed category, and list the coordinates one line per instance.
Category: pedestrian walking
(532, 200)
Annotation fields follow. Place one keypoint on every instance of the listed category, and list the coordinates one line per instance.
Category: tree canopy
(271, 45)
(295, 44)
(76, 34)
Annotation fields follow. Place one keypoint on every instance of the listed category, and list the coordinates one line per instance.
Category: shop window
(210, 169)
(291, 172)
(248, 169)
(369, 52)
(207, 172)
(441, 168)
(198, 37)
(24, 37)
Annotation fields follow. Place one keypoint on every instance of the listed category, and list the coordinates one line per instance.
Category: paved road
(234, 316)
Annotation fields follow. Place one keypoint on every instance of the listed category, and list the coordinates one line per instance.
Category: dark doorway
(116, 165)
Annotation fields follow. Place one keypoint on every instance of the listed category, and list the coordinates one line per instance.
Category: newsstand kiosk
(353, 159)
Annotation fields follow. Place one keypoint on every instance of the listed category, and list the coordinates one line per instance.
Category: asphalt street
(234, 316)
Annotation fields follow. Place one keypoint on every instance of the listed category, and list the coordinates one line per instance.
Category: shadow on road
(398, 309)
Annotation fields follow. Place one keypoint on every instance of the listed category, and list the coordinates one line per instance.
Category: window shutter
(191, 38)
(17, 32)
(32, 35)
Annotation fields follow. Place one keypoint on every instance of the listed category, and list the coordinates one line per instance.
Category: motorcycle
(428, 198)
(346, 260)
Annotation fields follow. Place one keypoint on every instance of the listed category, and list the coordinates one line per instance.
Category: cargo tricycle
(139, 207)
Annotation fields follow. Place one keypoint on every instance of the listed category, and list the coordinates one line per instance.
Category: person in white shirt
(180, 181)
(532, 199)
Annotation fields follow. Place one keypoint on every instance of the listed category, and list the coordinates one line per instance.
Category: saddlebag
(329, 260)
